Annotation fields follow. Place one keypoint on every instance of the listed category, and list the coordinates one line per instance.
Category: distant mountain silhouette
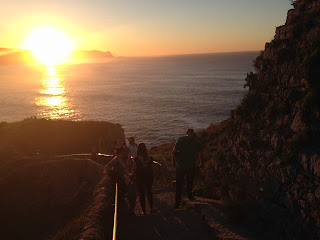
(20, 56)
(88, 56)
(15, 56)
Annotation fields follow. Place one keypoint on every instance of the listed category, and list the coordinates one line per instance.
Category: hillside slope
(265, 158)
(41, 194)
(40, 197)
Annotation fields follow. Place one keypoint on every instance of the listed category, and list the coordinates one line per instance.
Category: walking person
(185, 154)
(118, 171)
(144, 176)
(94, 154)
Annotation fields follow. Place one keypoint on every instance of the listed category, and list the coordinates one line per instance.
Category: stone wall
(99, 221)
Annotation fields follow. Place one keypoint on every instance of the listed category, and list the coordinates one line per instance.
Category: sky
(147, 27)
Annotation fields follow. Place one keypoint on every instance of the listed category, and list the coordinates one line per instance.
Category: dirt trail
(200, 219)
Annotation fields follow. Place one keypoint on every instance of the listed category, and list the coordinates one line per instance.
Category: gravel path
(200, 219)
(167, 223)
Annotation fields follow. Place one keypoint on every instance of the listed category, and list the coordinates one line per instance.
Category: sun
(49, 46)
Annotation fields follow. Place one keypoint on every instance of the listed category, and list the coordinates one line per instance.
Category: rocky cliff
(266, 157)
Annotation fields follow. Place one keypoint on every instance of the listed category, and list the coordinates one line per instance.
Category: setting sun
(49, 46)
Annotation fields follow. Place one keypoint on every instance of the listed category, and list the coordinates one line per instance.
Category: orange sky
(134, 28)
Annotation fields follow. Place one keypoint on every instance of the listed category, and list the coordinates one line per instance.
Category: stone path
(201, 219)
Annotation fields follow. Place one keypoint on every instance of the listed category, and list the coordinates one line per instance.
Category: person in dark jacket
(186, 152)
(144, 176)
(118, 171)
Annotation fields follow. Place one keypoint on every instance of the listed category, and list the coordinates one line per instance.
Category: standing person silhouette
(132, 153)
(185, 154)
(144, 176)
(118, 171)
(132, 147)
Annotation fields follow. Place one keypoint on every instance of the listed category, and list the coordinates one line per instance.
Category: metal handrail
(114, 236)
(83, 155)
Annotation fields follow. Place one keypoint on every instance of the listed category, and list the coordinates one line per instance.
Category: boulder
(310, 197)
(302, 204)
(276, 141)
(317, 193)
(297, 123)
(297, 191)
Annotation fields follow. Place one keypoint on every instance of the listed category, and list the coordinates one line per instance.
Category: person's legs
(179, 185)
(190, 177)
(122, 189)
(142, 190)
(132, 196)
(150, 195)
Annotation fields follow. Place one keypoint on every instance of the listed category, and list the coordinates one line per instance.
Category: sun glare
(49, 46)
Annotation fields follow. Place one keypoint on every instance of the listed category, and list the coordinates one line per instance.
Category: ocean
(155, 99)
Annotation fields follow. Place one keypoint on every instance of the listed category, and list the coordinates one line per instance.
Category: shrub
(311, 69)
(250, 102)
(288, 157)
(271, 110)
(251, 77)
(258, 60)
(294, 2)
(284, 55)
(303, 140)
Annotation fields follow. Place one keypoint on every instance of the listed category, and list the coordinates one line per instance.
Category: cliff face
(267, 155)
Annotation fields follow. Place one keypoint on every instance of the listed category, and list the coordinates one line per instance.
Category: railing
(114, 235)
(83, 155)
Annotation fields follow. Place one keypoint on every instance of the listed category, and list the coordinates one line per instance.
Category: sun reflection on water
(53, 102)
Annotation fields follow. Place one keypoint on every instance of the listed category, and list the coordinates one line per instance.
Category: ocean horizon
(155, 99)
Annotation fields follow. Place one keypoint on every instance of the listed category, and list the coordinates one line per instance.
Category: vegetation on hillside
(39, 196)
(34, 136)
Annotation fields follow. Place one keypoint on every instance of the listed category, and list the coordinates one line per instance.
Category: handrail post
(114, 236)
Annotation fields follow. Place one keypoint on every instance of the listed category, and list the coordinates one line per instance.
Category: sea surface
(155, 99)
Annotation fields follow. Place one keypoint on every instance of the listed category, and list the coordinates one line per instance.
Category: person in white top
(132, 147)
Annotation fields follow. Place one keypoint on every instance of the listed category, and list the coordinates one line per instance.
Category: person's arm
(133, 173)
(134, 167)
(173, 157)
(175, 150)
(109, 166)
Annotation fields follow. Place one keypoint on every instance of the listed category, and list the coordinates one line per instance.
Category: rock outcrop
(267, 155)
(50, 137)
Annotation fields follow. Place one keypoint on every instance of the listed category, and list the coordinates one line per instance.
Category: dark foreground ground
(199, 219)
